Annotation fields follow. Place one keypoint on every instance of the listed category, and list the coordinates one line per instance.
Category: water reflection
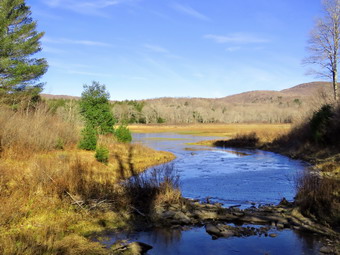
(196, 241)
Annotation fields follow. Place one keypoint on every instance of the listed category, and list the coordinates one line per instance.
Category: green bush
(89, 139)
(123, 134)
(160, 120)
(102, 154)
(96, 109)
(319, 124)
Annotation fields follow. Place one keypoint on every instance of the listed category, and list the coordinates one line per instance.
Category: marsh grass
(266, 132)
(319, 197)
(54, 195)
(38, 131)
(157, 186)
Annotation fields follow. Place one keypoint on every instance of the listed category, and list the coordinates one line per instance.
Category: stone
(182, 218)
(212, 230)
(280, 226)
(273, 235)
(326, 250)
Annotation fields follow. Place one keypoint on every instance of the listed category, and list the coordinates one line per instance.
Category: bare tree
(323, 44)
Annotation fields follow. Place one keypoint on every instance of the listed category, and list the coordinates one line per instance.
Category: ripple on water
(232, 177)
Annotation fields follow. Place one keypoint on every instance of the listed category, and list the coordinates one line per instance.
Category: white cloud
(232, 49)
(242, 38)
(155, 48)
(88, 73)
(189, 11)
(71, 41)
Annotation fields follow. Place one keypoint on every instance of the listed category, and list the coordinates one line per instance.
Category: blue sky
(183, 48)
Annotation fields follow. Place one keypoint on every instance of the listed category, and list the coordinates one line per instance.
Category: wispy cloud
(241, 38)
(232, 49)
(92, 7)
(78, 42)
(89, 73)
(188, 10)
(155, 48)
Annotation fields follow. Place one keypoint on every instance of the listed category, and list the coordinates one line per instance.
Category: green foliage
(19, 40)
(123, 134)
(297, 101)
(96, 109)
(102, 155)
(160, 120)
(54, 104)
(320, 123)
(60, 144)
(89, 139)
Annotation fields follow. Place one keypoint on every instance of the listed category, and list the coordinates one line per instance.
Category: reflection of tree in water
(308, 241)
(166, 237)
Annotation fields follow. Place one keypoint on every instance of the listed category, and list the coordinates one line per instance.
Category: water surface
(232, 177)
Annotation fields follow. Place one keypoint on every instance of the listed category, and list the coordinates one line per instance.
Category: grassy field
(266, 132)
(54, 195)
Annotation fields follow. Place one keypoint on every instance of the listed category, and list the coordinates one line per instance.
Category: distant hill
(267, 106)
(49, 96)
(299, 91)
(302, 91)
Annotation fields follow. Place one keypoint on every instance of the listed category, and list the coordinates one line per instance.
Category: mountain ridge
(300, 91)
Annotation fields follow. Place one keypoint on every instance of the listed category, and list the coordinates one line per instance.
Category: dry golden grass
(265, 132)
(52, 195)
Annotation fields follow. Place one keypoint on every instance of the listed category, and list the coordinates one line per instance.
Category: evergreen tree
(19, 40)
(96, 109)
(89, 139)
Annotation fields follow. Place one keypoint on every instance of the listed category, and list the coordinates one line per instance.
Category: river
(233, 177)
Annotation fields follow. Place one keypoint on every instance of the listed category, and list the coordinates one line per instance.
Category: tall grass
(52, 195)
(22, 134)
(158, 186)
(319, 197)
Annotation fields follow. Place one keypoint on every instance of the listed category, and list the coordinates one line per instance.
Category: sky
(144, 49)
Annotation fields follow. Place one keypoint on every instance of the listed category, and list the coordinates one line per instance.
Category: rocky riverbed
(220, 222)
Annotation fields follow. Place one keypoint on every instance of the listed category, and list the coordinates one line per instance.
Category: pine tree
(19, 40)
(95, 108)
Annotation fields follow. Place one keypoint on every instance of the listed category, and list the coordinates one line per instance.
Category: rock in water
(139, 248)
(326, 250)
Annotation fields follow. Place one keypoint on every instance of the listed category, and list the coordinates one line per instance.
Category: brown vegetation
(319, 197)
(286, 106)
(53, 195)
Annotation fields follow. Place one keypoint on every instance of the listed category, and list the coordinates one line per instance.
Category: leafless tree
(323, 43)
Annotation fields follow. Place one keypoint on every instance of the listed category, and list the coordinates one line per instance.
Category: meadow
(266, 132)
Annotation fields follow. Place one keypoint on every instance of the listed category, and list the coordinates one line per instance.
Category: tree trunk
(335, 84)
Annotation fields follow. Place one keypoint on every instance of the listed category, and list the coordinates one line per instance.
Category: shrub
(123, 134)
(318, 196)
(89, 139)
(22, 134)
(241, 140)
(102, 155)
(319, 124)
